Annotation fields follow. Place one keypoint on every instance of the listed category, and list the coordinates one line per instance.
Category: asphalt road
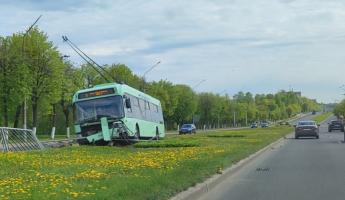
(300, 169)
(306, 117)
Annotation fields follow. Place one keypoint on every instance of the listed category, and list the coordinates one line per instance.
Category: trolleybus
(109, 112)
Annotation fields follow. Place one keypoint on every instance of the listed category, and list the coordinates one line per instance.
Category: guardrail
(14, 139)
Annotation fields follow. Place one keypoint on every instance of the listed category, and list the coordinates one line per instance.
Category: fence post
(34, 131)
(4, 140)
(68, 132)
(53, 133)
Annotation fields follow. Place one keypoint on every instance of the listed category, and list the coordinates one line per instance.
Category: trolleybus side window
(154, 107)
(154, 112)
(147, 105)
(147, 111)
(129, 110)
(142, 108)
(135, 108)
(135, 101)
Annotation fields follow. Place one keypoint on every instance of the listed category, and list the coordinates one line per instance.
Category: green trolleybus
(110, 112)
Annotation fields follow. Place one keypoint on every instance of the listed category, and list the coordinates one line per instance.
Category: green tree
(45, 72)
(12, 77)
(186, 104)
(73, 81)
(165, 92)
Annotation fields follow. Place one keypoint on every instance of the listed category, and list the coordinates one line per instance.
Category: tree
(165, 92)
(12, 77)
(123, 74)
(73, 81)
(207, 108)
(45, 71)
(186, 104)
(339, 109)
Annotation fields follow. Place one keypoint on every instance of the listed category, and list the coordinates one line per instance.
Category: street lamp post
(147, 71)
(234, 113)
(218, 116)
(25, 106)
(198, 84)
(193, 88)
(222, 92)
(234, 119)
(151, 68)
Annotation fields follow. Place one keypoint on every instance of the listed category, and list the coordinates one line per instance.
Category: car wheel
(329, 130)
(317, 137)
(296, 137)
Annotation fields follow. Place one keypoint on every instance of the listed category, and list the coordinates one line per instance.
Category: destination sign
(96, 93)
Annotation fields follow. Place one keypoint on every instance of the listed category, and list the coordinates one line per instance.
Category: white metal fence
(13, 139)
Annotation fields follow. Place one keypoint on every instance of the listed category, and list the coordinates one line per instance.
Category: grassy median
(146, 170)
(322, 117)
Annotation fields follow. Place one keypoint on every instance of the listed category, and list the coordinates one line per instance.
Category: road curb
(200, 189)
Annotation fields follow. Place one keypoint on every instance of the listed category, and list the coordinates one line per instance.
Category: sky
(260, 46)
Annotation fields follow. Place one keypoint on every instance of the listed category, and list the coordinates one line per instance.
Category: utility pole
(234, 118)
(25, 106)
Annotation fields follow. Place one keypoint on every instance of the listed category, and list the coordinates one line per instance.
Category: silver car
(307, 129)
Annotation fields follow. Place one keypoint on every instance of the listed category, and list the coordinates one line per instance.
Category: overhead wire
(87, 59)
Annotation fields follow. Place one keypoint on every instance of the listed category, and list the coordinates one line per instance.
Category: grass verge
(146, 170)
(48, 137)
(322, 117)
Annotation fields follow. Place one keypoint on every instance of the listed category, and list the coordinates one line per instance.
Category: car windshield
(306, 123)
(186, 126)
(336, 122)
(93, 110)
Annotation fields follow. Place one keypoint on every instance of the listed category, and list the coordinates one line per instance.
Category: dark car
(264, 124)
(187, 128)
(307, 129)
(335, 125)
(314, 112)
(254, 125)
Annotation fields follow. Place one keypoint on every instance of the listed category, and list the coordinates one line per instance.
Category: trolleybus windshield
(93, 110)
